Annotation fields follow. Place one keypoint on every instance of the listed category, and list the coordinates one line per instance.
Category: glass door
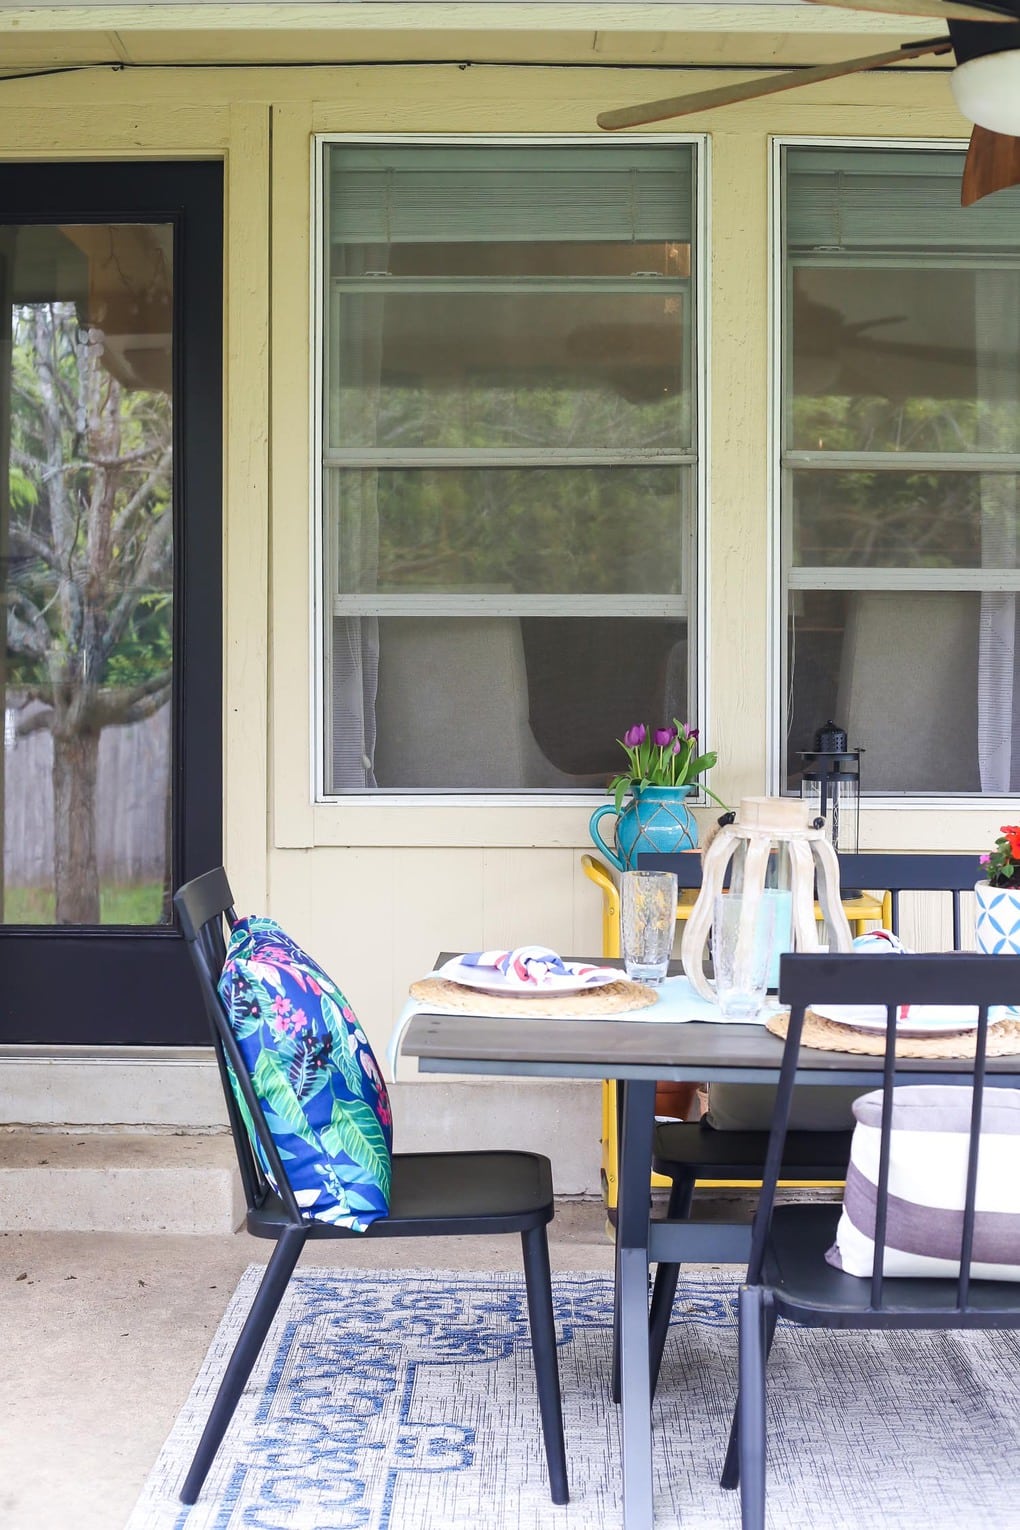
(110, 773)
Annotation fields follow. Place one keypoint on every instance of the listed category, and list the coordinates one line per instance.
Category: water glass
(647, 923)
(743, 953)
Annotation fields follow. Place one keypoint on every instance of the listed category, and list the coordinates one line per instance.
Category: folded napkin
(929, 1017)
(877, 941)
(528, 966)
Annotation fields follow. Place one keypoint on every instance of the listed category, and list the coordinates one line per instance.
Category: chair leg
(752, 1322)
(730, 1472)
(246, 1352)
(681, 1196)
(538, 1280)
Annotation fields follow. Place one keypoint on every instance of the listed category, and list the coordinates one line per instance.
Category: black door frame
(119, 985)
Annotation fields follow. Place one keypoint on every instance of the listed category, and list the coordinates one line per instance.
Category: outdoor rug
(405, 1401)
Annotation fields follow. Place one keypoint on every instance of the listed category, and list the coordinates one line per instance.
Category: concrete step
(118, 1182)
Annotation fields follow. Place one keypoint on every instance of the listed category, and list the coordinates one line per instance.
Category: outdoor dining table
(639, 1051)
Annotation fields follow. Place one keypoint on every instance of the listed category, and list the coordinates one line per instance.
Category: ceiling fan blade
(947, 10)
(766, 85)
(992, 164)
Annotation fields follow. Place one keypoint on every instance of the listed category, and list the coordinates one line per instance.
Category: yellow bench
(861, 910)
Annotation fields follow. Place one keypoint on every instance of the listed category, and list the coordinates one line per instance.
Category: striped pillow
(927, 1180)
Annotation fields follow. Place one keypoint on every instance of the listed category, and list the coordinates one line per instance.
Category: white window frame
(780, 578)
(697, 619)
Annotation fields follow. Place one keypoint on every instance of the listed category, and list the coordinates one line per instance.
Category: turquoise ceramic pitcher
(655, 818)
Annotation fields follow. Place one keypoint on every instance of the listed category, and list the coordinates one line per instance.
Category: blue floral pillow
(314, 1074)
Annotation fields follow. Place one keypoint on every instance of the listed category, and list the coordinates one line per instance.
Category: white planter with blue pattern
(997, 928)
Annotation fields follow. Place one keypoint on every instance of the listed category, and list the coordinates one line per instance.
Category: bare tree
(90, 559)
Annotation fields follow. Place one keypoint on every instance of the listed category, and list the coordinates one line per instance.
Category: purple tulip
(663, 736)
(680, 746)
(635, 735)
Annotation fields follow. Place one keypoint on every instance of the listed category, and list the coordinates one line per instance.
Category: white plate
(488, 980)
(919, 1020)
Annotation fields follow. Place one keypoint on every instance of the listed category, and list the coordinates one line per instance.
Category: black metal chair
(688, 1151)
(788, 1275)
(432, 1194)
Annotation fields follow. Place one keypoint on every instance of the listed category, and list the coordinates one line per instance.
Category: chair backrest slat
(884, 1154)
(973, 1151)
(202, 907)
(946, 979)
(893, 872)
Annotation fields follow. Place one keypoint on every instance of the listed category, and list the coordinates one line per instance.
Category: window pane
(501, 703)
(86, 536)
(510, 367)
(905, 359)
(926, 682)
(569, 531)
(904, 520)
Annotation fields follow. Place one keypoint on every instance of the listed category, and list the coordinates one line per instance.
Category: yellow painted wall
(375, 887)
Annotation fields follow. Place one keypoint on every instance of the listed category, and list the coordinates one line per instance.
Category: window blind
(859, 200)
(386, 195)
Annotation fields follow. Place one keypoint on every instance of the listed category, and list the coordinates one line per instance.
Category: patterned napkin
(529, 967)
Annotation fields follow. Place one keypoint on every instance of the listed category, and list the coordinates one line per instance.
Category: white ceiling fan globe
(987, 91)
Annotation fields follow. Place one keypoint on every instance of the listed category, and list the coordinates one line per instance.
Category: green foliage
(888, 517)
(119, 903)
(274, 1087)
(89, 485)
(1002, 866)
(355, 1130)
(664, 756)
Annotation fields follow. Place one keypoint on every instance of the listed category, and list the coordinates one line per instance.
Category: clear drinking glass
(743, 948)
(647, 923)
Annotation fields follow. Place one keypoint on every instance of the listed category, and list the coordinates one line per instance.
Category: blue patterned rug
(406, 1401)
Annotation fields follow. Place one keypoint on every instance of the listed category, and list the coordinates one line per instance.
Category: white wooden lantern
(762, 827)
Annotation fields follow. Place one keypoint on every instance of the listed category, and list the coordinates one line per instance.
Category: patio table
(637, 1053)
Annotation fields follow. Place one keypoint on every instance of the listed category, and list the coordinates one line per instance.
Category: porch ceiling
(726, 34)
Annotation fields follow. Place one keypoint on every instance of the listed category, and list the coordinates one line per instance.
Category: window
(509, 463)
(900, 467)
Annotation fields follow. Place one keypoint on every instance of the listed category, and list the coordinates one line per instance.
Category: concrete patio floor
(104, 1333)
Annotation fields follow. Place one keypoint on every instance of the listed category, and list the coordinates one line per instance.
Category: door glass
(86, 553)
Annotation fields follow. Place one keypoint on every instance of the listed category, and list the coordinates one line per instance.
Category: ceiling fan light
(987, 91)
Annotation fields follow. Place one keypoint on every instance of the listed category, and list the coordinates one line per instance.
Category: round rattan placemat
(830, 1036)
(590, 1003)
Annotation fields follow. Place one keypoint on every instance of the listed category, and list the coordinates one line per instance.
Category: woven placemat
(611, 999)
(830, 1036)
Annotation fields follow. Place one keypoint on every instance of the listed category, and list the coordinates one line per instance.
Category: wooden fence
(132, 791)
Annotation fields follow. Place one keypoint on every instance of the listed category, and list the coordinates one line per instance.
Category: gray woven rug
(405, 1401)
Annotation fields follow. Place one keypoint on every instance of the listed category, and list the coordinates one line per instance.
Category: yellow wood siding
(375, 888)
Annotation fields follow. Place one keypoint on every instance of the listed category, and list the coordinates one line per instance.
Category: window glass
(510, 530)
(509, 464)
(901, 468)
(86, 573)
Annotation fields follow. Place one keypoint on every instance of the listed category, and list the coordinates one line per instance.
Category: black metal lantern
(831, 782)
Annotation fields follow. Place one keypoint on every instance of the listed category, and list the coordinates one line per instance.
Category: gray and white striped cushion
(927, 1180)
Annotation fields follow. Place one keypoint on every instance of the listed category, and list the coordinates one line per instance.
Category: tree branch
(35, 722)
(114, 707)
(29, 635)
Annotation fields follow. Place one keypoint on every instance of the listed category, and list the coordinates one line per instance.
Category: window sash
(916, 217)
(684, 166)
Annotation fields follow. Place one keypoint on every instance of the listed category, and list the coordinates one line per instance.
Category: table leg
(635, 1168)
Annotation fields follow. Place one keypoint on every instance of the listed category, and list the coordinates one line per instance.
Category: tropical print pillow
(314, 1074)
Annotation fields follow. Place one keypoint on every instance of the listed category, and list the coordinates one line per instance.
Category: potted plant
(663, 766)
(997, 928)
